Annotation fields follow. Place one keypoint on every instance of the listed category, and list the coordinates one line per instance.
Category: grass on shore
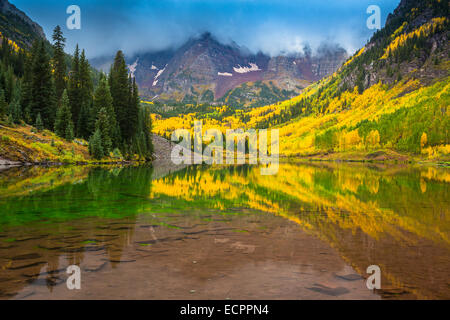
(25, 144)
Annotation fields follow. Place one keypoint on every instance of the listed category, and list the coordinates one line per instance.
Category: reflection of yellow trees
(436, 175)
(203, 185)
(347, 197)
(191, 188)
(22, 181)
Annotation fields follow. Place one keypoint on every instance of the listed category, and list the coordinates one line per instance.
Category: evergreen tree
(84, 124)
(42, 88)
(103, 100)
(69, 132)
(5, 51)
(74, 86)
(103, 126)
(86, 83)
(95, 145)
(83, 127)
(63, 122)
(59, 62)
(27, 84)
(15, 111)
(39, 124)
(9, 84)
(3, 104)
(143, 139)
(121, 94)
(135, 103)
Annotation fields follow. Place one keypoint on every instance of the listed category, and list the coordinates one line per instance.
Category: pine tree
(103, 126)
(63, 122)
(74, 86)
(15, 111)
(27, 94)
(69, 132)
(86, 83)
(9, 84)
(42, 88)
(84, 123)
(39, 124)
(143, 139)
(59, 62)
(5, 51)
(133, 113)
(95, 145)
(84, 126)
(103, 100)
(121, 94)
(3, 104)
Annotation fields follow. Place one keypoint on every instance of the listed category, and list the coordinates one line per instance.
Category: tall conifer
(59, 62)
(42, 88)
(120, 92)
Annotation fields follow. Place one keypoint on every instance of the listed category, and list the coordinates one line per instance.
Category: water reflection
(310, 232)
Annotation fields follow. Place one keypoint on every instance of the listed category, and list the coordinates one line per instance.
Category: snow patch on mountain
(133, 67)
(253, 67)
(160, 72)
(225, 74)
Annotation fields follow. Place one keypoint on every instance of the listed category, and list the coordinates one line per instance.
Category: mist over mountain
(206, 70)
(274, 27)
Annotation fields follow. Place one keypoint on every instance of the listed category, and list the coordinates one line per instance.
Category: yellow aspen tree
(423, 140)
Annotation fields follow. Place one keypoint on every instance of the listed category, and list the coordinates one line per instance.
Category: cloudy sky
(271, 26)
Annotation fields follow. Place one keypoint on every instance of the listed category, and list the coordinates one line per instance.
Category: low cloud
(270, 26)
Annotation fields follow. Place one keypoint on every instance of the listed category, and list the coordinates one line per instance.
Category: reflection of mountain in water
(395, 217)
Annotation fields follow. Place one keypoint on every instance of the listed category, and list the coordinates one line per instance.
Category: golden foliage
(423, 31)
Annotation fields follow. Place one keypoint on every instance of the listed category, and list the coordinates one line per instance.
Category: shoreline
(5, 164)
(379, 157)
(163, 150)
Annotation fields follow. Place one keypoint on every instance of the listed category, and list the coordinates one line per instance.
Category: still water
(309, 232)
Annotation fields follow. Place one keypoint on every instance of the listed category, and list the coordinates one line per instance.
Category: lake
(214, 232)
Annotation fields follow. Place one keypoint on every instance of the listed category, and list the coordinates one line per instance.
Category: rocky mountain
(205, 70)
(17, 26)
(413, 44)
(388, 102)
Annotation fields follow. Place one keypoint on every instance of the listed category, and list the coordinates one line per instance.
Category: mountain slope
(17, 26)
(392, 96)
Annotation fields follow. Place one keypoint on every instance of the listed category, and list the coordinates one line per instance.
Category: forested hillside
(40, 96)
(391, 97)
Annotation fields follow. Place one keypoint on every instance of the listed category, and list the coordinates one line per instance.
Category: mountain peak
(206, 36)
(205, 69)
